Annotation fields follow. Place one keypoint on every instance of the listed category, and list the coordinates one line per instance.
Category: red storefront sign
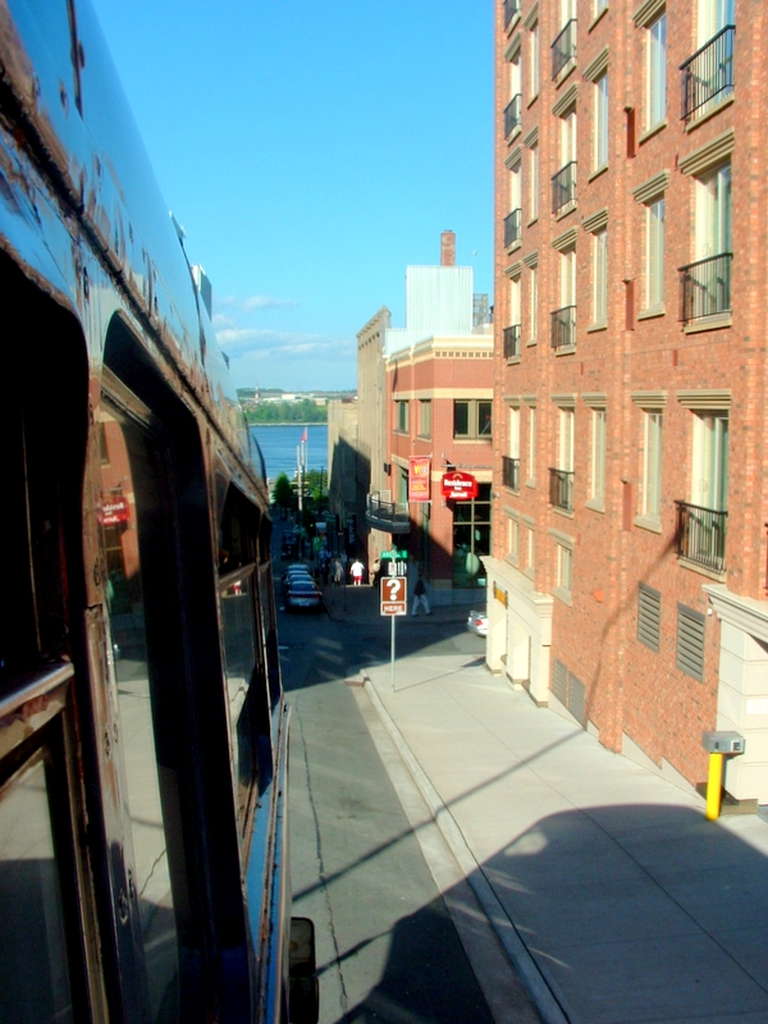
(114, 511)
(418, 478)
(458, 486)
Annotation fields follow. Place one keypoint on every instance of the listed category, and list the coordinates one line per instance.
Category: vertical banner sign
(418, 478)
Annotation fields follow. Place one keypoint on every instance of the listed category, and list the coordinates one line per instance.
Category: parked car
(477, 623)
(303, 594)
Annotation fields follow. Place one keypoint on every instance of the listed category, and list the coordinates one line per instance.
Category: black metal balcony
(700, 535)
(705, 288)
(513, 223)
(512, 341)
(564, 327)
(381, 513)
(513, 115)
(564, 48)
(564, 187)
(561, 489)
(511, 7)
(707, 76)
(510, 472)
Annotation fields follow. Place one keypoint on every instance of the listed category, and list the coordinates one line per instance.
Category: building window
(701, 524)
(654, 254)
(511, 462)
(706, 283)
(708, 76)
(561, 476)
(513, 539)
(425, 418)
(600, 6)
(656, 73)
(710, 460)
(531, 444)
(533, 304)
(652, 436)
(600, 277)
(533, 50)
(402, 417)
(564, 182)
(471, 538)
(472, 418)
(513, 110)
(601, 122)
(597, 475)
(563, 570)
(564, 318)
(533, 196)
(513, 222)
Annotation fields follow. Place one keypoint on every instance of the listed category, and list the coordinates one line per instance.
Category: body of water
(279, 445)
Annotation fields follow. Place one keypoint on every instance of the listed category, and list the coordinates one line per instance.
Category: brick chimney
(448, 249)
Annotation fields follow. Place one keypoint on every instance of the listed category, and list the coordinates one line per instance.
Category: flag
(304, 436)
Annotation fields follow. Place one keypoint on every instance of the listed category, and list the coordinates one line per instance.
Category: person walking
(420, 596)
(357, 569)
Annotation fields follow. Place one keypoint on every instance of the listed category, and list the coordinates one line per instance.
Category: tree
(282, 492)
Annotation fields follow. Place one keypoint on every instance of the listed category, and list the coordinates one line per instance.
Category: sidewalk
(612, 894)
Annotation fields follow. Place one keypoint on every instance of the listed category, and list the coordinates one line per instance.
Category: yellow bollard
(714, 786)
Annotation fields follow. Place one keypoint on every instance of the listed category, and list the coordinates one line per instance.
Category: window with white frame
(531, 444)
(513, 538)
(530, 550)
(564, 568)
(425, 418)
(533, 303)
(565, 437)
(652, 451)
(514, 432)
(713, 16)
(597, 474)
(600, 276)
(656, 72)
(533, 194)
(601, 121)
(401, 410)
(713, 212)
(533, 52)
(709, 485)
(514, 300)
(655, 214)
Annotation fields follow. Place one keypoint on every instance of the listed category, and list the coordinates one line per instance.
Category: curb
(521, 960)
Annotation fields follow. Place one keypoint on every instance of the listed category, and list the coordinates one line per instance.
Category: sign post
(394, 602)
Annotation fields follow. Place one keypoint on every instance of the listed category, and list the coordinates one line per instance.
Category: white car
(477, 623)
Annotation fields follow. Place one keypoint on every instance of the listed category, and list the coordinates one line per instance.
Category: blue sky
(311, 151)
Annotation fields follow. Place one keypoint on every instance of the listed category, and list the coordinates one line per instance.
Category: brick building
(627, 583)
(438, 372)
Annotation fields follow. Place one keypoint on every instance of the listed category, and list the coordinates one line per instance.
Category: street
(387, 947)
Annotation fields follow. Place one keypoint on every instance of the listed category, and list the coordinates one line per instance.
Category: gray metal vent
(560, 682)
(690, 642)
(576, 698)
(649, 617)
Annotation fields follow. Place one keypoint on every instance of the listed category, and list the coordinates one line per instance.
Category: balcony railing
(561, 489)
(510, 472)
(513, 115)
(511, 7)
(513, 223)
(705, 288)
(564, 327)
(564, 187)
(384, 514)
(564, 48)
(708, 74)
(700, 535)
(512, 341)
